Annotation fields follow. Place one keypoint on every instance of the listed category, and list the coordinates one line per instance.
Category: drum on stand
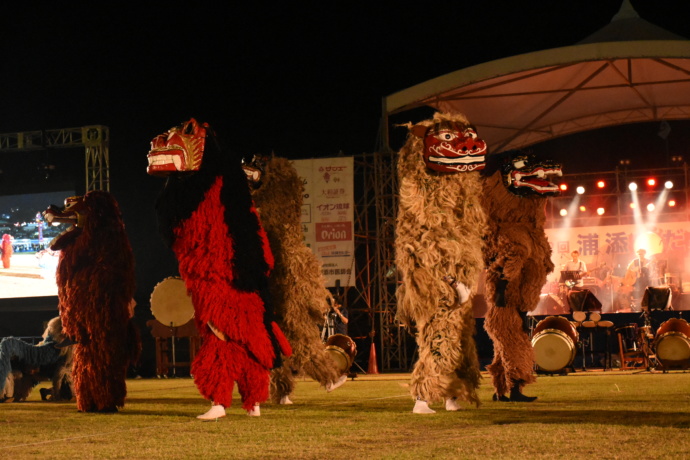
(554, 342)
(629, 335)
(172, 306)
(343, 351)
(672, 344)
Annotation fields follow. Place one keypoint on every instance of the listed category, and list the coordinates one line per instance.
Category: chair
(631, 356)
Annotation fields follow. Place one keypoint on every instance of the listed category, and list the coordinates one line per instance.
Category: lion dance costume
(518, 259)
(297, 285)
(206, 215)
(96, 283)
(439, 232)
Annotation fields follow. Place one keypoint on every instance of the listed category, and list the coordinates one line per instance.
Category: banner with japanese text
(614, 246)
(328, 215)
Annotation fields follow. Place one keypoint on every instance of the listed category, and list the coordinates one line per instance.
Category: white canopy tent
(628, 72)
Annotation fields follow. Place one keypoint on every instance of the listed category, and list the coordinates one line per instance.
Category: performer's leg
(252, 384)
(282, 383)
(215, 369)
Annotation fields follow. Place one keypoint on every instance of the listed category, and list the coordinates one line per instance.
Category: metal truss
(94, 139)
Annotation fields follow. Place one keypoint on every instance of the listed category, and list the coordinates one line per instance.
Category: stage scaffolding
(94, 140)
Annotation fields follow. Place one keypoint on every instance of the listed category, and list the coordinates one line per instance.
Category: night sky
(300, 81)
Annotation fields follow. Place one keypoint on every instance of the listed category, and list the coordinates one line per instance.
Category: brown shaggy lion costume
(518, 259)
(95, 278)
(296, 284)
(439, 232)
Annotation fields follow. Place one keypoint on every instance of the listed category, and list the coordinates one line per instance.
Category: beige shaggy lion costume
(518, 259)
(297, 285)
(439, 232)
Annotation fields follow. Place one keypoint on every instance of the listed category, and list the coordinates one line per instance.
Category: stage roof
(628, 72)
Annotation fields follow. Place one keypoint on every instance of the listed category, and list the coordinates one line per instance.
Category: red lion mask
(450, 147)
(180, 149)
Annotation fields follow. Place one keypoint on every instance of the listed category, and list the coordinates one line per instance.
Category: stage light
(632, 186)
(563, 187)
(600, 211)
(651, 182)
(650, 207)
(632, 205)
(671, 203)
(601, 184)
(624, 162)
(668, 184)
(580, 190)
(582, 208)
(564, 212)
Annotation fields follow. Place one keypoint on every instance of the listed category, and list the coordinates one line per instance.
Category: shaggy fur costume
(224, 257)
(22, 365)
(518, 259)
(440, 225)
(297, 285)
(95, 278)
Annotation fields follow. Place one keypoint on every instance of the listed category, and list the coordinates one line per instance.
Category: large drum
(555, 342)
(170, 303)
(343, 351)
(672, 344)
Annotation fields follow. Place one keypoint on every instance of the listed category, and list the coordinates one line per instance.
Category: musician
(639, 268)
(576, 265)
(340, 319)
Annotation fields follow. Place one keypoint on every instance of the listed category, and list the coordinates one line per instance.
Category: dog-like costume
(297, 285)
(518, 259)
(439, 232)
(22, 365)
(95, 279)
(206, 215)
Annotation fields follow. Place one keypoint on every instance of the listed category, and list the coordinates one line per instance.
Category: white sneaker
(422, 407)
(333, 385)
(452, 404)
(255, 412)
(214, 413)
(285, 400)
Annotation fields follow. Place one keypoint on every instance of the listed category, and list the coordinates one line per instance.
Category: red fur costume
(95, 278)
(206, 214)
(518, 259)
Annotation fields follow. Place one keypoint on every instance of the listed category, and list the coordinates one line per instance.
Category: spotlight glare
(564, 212)
(632, 206)
(632, 186)
(580, 190)
(601, 184)
(563, 187)
(600, 211)
(668, 184)
(651, 182)
(671, 203)
(650, 207)
(582, 208)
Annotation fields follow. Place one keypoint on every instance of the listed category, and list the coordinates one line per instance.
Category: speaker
(657, 298)
(583, 300)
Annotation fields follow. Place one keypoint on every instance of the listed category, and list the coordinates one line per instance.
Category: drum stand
(173, 339)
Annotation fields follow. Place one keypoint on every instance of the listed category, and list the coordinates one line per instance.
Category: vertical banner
(328, 215)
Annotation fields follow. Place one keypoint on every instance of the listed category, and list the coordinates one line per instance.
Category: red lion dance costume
(297, 286)
(439, 232)
(206, 215)
(518, 259)
(95, 279)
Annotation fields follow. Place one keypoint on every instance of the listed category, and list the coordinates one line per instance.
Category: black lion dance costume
(206, 215)
(297, 285)
(22, 365)
(439, 232)
(95, 279)
(518, 259)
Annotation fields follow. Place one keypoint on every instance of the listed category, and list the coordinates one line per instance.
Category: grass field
(591, 414)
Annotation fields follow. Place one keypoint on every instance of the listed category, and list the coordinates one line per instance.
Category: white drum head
(673, 346)
(553, 350)
(170, 303)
